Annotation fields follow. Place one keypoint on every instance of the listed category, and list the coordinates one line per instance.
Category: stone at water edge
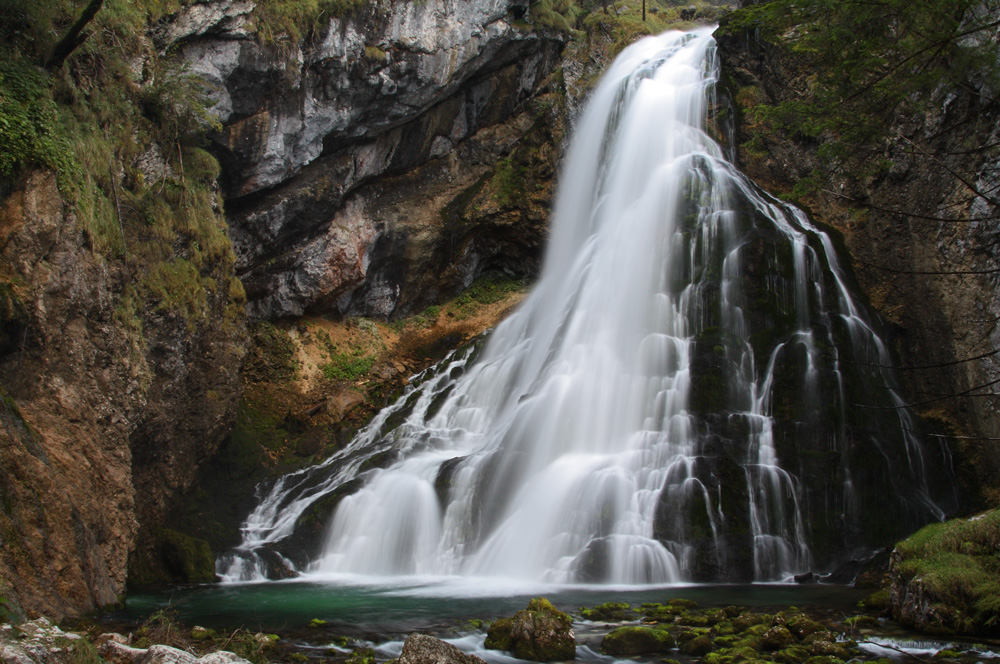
(423, 649)
(540, 633)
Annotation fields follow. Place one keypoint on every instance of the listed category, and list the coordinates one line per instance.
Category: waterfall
(690, 393)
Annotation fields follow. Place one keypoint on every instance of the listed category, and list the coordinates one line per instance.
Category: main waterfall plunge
(690, 393)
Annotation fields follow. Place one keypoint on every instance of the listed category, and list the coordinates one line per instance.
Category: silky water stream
(692, 393)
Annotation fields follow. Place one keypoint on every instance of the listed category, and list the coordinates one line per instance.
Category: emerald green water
(376, 609)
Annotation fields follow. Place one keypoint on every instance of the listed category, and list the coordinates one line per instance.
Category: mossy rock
(823, 635)
(188, 559)
(609, 611)
(636, 640)
(747, 619)
(824, 659)
(681, 603)
(802, 625)
(946, 577)
(791, 655)
(698, 646)
(862, 622)
(723, 628)
(498, 634)
(540, 633)
(733, 656)
(199, 633)
(777, 638)
(830, 649)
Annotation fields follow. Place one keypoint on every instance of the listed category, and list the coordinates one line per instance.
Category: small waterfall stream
(690, 393)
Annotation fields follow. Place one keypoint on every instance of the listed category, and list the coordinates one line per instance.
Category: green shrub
(348, 366)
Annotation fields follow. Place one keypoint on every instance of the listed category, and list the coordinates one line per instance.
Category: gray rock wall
(311, 132)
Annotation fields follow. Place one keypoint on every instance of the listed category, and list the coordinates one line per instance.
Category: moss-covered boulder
(802, 625)
(540, 633)
(777, 638)
(698, 646)
(609, 611)
(945, 579)
(636, 640)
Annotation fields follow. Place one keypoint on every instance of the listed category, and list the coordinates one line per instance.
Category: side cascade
(690, 393)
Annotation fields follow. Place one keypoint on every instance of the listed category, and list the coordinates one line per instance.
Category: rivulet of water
(691, 392)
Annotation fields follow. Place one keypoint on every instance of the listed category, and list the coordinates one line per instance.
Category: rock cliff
(359, 170)
(343, 157)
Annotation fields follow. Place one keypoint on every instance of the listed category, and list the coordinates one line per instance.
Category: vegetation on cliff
(872, 67)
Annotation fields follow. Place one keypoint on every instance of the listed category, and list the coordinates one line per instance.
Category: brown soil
(346, 370)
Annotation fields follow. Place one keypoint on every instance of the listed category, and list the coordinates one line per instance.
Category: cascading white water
(622, 426)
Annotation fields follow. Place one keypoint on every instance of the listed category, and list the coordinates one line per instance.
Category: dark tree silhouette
(73, 39)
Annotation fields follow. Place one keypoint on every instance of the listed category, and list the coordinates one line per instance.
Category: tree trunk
(73, 39)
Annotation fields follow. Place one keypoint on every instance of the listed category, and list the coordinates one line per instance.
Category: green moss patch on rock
(539, 633)
(636, 640)
(610, 611)
(945, 579)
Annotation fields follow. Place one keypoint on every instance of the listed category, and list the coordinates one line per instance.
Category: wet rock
(540, 633)
(423, 649)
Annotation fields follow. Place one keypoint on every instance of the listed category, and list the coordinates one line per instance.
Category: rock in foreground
(423, 649)
(540, 633)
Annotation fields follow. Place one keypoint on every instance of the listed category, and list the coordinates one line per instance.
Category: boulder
(540, 633)
(423, 649)
(636, 640)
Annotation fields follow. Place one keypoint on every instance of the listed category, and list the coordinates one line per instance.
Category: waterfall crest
(690, 393)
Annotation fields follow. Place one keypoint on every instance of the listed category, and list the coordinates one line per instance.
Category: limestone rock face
(97, 404)
(348, 161)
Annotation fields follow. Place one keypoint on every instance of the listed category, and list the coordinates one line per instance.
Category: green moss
(295, 20)
(958, 565)
(698, 646)
(636, 640)
(375, 54)
(177, 286)
(608, 611)
(539, 633)
(271, 355)
(498, 634)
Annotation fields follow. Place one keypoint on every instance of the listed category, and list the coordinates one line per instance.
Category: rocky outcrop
(349, 161)
(109, 398)
(72, 393)
(41, 642)
(945, 578)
